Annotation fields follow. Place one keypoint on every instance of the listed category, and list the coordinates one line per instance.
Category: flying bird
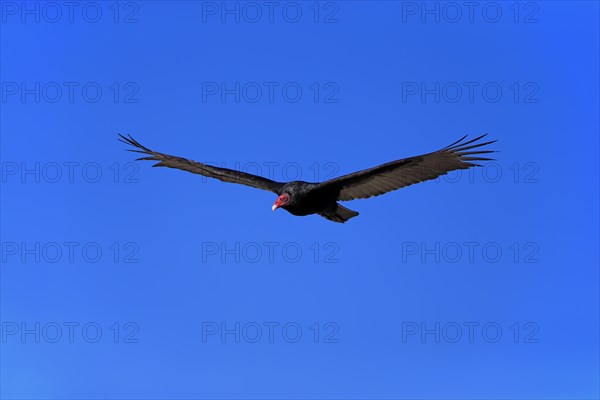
(304, 198)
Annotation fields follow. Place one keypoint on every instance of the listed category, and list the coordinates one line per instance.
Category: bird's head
(281, 201)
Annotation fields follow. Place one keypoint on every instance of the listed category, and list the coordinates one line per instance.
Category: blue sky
(123, 281)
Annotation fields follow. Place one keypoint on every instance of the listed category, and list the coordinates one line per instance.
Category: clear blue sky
(123, 281)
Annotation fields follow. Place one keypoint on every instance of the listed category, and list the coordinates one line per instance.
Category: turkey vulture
(304, 198)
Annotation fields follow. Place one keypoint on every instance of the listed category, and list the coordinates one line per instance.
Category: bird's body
(304, 198)
(304, 202)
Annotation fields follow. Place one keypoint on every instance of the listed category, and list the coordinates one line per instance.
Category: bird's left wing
(222, 174)
(400, 173)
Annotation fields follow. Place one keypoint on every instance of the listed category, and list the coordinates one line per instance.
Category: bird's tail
(339, 213)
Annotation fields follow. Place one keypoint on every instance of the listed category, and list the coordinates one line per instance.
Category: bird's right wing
(407, 171)
(222, 174)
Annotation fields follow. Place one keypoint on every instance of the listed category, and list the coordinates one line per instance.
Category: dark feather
(401, 173)
(222, 174)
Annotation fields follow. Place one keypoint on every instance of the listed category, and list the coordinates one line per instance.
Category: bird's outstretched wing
(400, 173)
(222, 174)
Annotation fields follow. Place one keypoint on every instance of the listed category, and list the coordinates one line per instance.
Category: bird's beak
(275, 207)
